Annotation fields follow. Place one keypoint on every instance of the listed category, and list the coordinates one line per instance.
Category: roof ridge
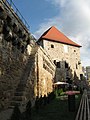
(45, 32)
(56, 35)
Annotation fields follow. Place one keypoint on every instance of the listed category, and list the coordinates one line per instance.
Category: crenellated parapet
(12, 27)
(26, 69)
(16, 44)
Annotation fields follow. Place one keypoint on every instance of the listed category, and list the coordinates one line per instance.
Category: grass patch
(56, 110)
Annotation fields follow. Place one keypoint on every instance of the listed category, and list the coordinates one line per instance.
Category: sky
(72, 17)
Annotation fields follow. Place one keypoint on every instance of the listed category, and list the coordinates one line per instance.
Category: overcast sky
(72, 17)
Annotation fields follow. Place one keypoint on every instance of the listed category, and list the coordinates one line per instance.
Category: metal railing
(83, 111)
(11, 4)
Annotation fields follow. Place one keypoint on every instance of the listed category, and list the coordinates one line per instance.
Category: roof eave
(42, 38)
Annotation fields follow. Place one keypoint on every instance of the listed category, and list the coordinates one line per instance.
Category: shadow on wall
(14, 38)
(65, 74)
(14, 72)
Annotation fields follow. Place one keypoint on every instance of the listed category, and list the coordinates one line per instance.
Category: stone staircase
(15, 31)
(20, 92)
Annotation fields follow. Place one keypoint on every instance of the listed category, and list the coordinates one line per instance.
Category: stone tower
(64, 53)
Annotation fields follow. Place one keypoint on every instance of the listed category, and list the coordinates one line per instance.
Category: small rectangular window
(55, 62)
(66, 64)
(81, 76)
(76, 66)
(58, 65)
(52, 46)
(65, 48)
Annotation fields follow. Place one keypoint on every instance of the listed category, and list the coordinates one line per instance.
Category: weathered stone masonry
(26, 70)
(14, 39)
(46, 73)
(64, 53)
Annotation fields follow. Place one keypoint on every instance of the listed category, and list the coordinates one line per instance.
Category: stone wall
(45, 72)
(12, 65)
(65, 54)
(41, 78)
(26, 70)
(15, 48)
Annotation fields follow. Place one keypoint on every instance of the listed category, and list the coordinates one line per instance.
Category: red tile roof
(53, 34)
